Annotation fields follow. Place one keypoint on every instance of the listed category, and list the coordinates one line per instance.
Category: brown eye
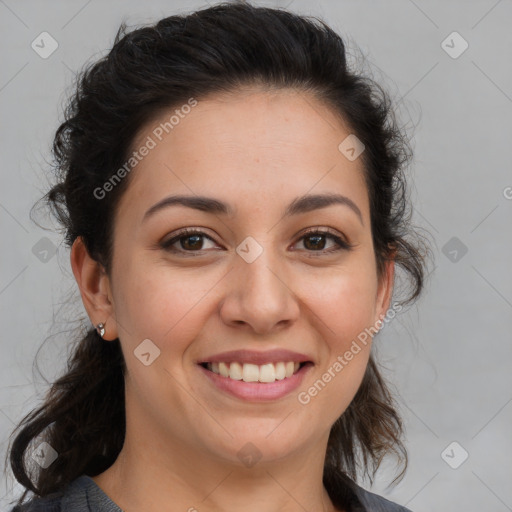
(189, 241)
(192, 241)
(315, 241)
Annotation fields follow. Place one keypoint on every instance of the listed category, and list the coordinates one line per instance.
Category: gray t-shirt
(84, 495)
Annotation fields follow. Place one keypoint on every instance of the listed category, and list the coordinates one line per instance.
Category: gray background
(449, 357)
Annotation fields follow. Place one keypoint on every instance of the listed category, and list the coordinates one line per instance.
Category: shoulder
(72, 498)
(348, 495)
(50, 503)
(375, 503)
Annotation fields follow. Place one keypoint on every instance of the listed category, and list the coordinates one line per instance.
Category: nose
(260, 295)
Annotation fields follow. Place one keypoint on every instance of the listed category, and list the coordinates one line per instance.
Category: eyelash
(185, 233)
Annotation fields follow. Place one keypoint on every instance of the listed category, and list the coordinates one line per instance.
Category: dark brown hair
(214, 50)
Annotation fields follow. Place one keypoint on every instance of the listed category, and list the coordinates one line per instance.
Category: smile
(248, 372)
(255, 383)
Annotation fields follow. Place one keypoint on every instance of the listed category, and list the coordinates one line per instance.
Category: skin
(183, 434)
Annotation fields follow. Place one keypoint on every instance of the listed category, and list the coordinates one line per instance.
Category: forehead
(249, 145)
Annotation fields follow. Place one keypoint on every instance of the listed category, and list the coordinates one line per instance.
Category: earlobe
(94, 286)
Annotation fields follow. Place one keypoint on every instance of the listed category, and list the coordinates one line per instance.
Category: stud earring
(101, 329)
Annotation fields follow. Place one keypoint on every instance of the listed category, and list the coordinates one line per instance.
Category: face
(260, 276)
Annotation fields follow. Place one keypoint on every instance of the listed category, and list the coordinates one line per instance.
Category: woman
(234, 200)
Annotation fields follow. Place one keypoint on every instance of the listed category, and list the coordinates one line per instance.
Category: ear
(95, 289)
(385, 289)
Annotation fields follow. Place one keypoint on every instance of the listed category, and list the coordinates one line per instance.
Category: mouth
(249, 372)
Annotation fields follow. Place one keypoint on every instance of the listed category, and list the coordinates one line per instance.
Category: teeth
(280, 371)
(247, 372)
(267, 373)
(236, 371)
(223, 369)
(250, 373)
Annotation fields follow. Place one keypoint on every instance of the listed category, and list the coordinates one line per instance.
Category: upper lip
(255, 357)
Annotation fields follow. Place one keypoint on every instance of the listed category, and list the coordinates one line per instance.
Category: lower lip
(257, 391)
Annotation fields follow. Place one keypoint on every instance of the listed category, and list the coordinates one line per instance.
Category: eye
(190, 240)
(314, 241)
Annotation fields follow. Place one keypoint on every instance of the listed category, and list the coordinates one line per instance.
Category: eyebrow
(299, 205)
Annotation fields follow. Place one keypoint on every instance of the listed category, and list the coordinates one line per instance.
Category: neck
(152, 477)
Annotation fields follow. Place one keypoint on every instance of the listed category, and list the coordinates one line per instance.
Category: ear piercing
(101, 329)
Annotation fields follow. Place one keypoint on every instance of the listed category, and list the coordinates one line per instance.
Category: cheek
(344, 306)
(161, 304)
(167, 308)
(344, 301)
